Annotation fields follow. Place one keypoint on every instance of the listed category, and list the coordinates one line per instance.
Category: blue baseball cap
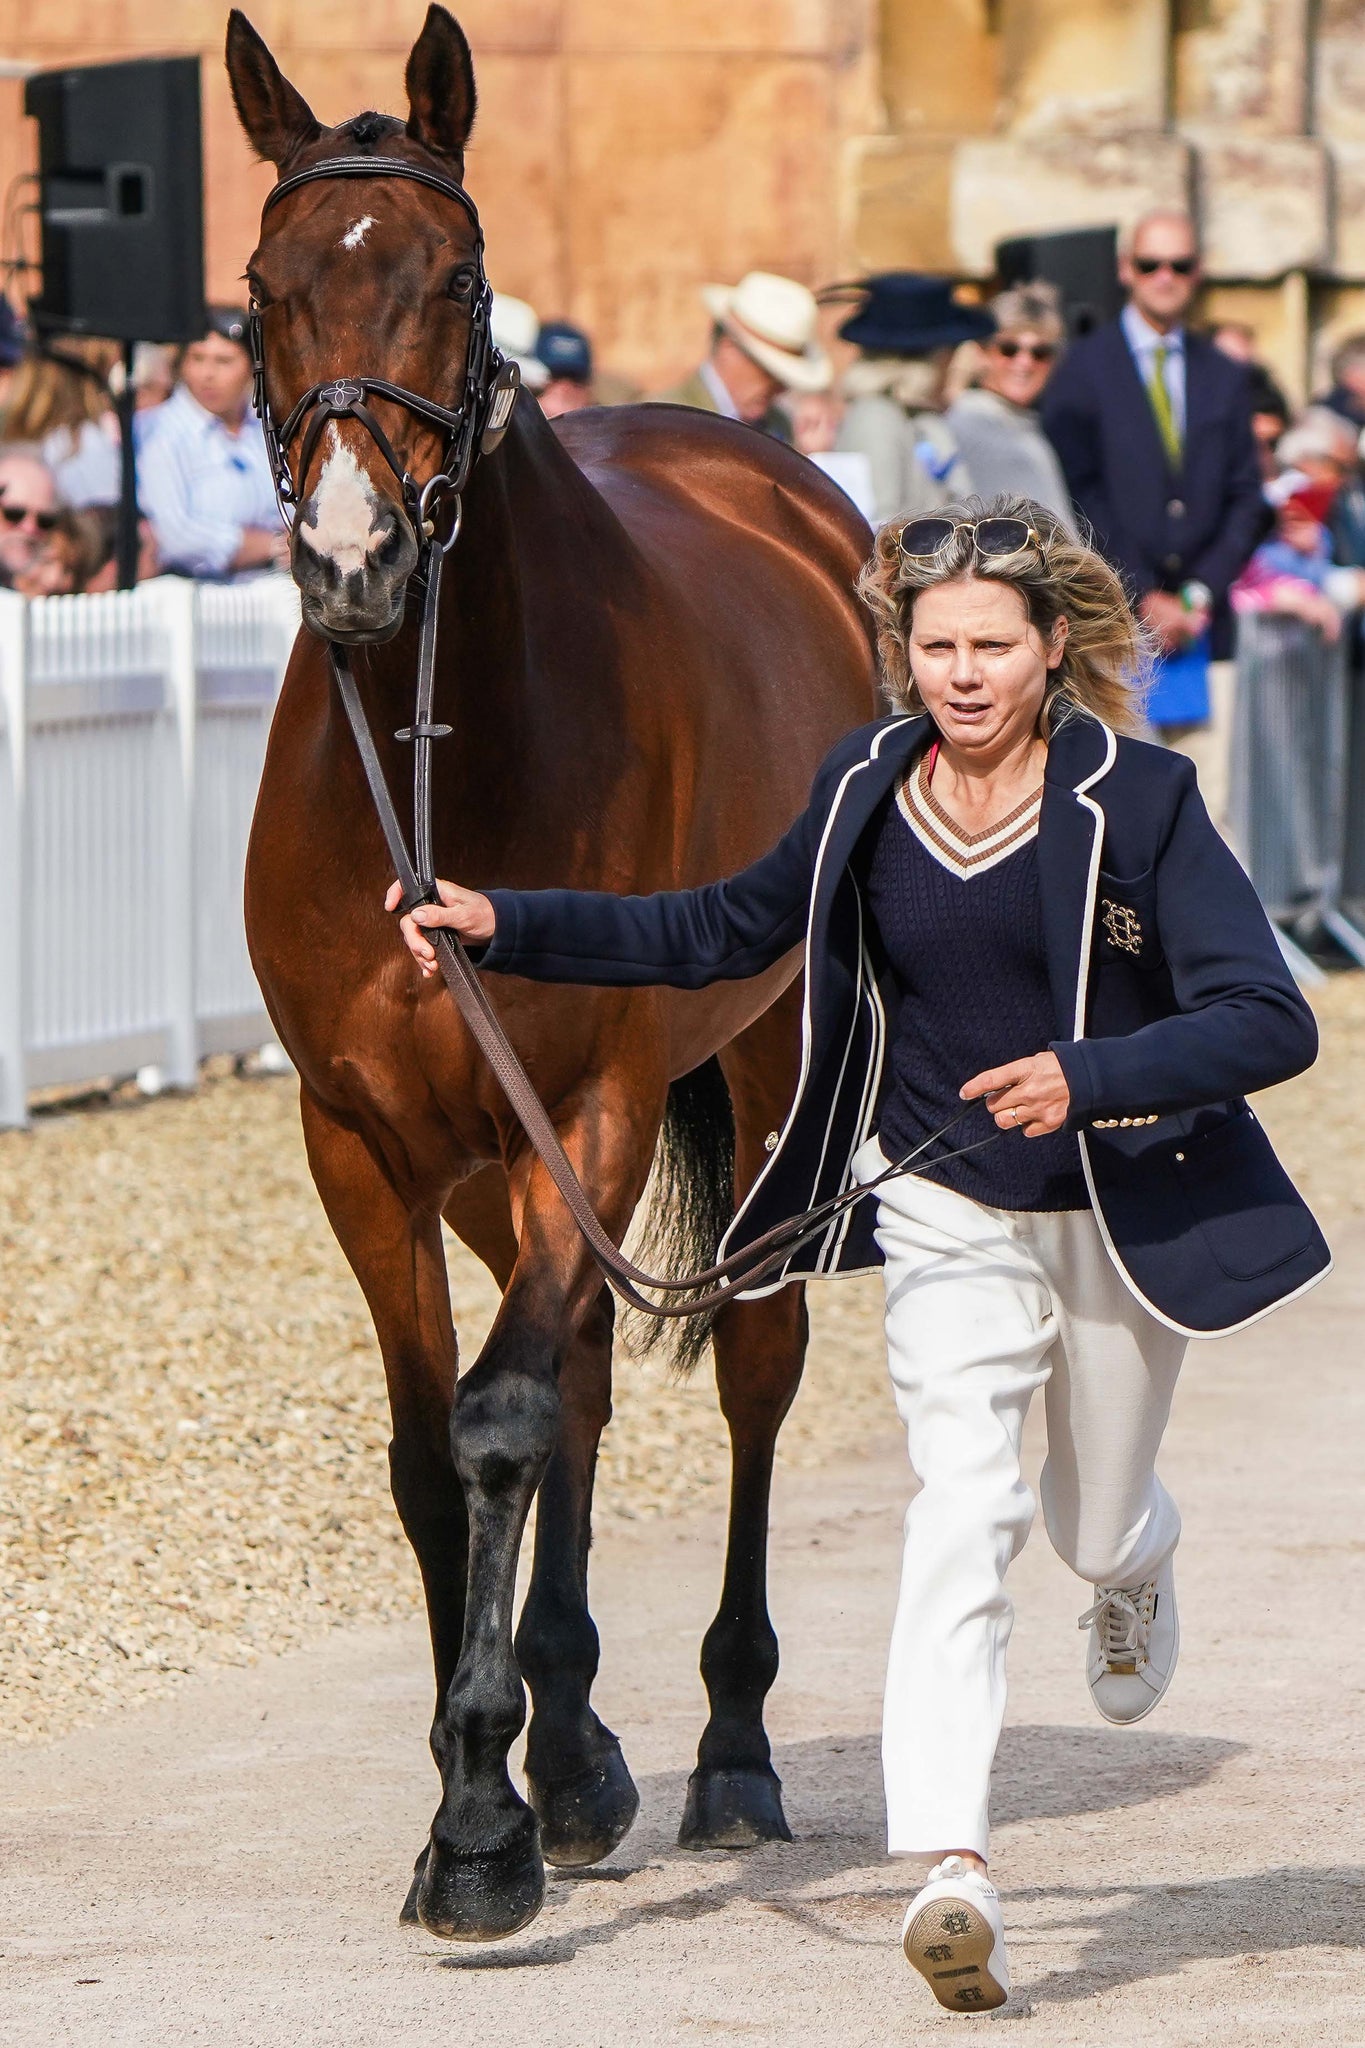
(565, 351)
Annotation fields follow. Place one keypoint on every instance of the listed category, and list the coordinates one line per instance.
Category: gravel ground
(192, 1421)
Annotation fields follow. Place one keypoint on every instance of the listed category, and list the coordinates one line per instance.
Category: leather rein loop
(476, 426)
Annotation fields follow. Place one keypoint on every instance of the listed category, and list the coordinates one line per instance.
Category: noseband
(472, 428)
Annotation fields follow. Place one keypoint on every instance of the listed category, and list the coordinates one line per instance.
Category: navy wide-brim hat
(905, 314)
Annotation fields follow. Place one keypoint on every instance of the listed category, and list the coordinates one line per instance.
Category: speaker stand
(127, 536)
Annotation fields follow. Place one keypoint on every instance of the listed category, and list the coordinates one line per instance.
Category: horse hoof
(486, 1894)
(582, 1818)
(733, 1809)
(408, 1916)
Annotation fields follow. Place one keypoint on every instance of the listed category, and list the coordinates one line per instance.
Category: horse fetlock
(739, 1663)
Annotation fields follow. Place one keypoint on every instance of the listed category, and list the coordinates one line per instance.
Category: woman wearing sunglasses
(994, 420)
(1037, 978)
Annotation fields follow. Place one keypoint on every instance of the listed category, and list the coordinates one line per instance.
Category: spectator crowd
(1172, 445)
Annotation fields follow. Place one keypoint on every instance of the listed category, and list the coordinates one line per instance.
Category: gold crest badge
(1121, 926)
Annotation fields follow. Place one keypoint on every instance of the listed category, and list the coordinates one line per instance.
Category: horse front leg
(485, 1875)
(583, 1794)
(394, 1249)
(734, 1797)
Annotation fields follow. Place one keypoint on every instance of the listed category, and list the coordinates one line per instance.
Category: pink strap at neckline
(931, 763)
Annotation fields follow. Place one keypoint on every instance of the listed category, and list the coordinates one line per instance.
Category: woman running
(1038, 977)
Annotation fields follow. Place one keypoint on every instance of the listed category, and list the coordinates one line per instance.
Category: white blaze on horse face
(344, 528)
(356, 233)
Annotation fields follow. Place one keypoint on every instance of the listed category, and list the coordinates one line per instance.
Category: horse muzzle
(353, 590)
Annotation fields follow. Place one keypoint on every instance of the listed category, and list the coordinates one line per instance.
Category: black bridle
(472, 427)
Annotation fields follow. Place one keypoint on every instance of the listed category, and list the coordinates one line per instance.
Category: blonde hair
(48, 395)
(1104, 665)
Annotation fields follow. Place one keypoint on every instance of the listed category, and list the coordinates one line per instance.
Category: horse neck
(522, 669)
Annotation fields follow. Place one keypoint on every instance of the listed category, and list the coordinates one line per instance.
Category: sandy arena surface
(192, 1418)
(226, 1866)
(192, 1433)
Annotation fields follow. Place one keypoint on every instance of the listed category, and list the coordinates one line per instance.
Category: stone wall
(624, 153)
(628, 151)
(1067, 113)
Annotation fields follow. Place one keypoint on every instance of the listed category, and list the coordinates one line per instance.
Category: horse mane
(368, 129)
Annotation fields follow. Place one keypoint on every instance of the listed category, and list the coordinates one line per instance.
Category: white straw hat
(773, 319)
(516, 329)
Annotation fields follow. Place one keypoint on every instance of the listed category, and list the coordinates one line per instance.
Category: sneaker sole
(953, 1958)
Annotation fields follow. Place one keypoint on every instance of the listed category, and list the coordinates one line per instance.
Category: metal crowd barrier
(134, 727)
(1297, 776)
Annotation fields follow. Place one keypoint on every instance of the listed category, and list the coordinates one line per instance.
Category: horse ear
(440, 82)
(278, 120)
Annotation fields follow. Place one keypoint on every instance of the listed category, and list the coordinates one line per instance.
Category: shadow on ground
(836, 1882)
(1128, 1933)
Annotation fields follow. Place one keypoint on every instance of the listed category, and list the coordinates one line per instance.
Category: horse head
(353, 281)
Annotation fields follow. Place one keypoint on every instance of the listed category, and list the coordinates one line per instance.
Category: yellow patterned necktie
(1160, 394)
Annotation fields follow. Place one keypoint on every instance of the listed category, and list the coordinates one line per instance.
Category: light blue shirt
(200, 485)
(1143, 342)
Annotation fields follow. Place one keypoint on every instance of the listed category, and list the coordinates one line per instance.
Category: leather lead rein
(742, 1269)
(476, 427)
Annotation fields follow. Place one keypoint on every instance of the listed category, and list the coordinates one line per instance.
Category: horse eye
(260, 297)
(461, 282)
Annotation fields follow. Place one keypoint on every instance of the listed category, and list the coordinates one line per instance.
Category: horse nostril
(391, 549)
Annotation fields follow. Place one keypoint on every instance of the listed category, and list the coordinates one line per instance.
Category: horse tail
(693, 1201)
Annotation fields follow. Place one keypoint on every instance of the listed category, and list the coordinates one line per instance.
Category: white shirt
(200, 485)
(85, 463)
(1143, 342)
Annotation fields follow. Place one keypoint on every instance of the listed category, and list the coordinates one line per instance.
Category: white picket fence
(133, 730)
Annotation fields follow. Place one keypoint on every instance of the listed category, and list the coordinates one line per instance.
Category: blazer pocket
(1252, 1216)
(1125, 920)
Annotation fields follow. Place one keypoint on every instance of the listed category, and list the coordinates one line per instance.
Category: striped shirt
(201, 485)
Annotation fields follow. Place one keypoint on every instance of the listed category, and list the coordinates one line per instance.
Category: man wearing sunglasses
(28, 514)
(1153, 427)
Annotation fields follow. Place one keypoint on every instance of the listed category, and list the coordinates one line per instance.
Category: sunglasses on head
(922, 539)
(1180, 266)
(15, 515)
(1041, 351)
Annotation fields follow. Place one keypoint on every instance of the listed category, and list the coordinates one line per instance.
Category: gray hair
(1319, 433)
(1034, 308)
(1346, 352)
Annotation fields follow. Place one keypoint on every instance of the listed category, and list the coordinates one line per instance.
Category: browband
(374, 167)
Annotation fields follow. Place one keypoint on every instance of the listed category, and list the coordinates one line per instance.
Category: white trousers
(983, 1306)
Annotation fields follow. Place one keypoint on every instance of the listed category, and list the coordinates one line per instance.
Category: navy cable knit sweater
(967, 957)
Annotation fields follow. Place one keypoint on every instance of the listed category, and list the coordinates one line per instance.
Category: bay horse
(648, 640)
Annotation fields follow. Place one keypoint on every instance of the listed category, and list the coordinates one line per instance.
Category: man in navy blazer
(1153, 428)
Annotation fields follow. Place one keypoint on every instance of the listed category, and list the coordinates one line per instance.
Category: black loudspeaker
(1082, 263)
(120, 169)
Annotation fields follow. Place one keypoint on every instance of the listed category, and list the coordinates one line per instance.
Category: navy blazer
(1172, 1000)
(1159, 528)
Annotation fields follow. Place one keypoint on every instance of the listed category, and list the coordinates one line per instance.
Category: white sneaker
(1134, 1643)
(954, 1935)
